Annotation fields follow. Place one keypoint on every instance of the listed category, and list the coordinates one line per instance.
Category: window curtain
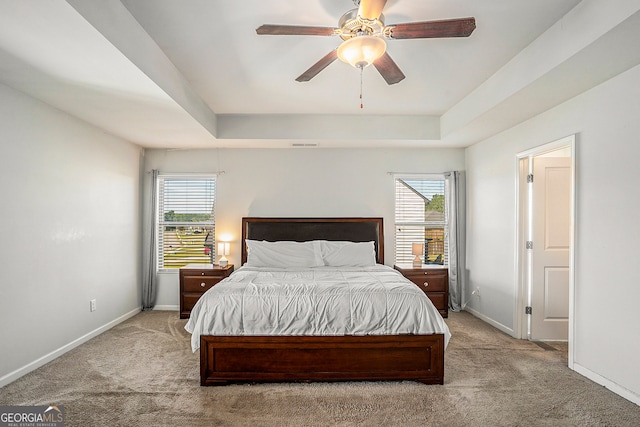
(149, 261)
(455, 219)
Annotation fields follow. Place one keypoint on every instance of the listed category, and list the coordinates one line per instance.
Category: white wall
(607, 320)
(301, 182)
(70, 232)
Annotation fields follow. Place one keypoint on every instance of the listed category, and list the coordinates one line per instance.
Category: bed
(241, 340)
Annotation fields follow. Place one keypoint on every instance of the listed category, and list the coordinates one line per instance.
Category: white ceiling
(193, 73)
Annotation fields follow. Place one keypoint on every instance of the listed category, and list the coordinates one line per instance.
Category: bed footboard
(225, 359)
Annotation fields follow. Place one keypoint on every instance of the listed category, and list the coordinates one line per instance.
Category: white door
(551, 234)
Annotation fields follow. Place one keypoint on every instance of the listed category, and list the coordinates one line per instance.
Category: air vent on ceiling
(296, 144)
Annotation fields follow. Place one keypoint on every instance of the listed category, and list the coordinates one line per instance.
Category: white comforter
(318, 301)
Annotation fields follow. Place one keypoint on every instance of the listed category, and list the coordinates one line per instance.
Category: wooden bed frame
(226, 359)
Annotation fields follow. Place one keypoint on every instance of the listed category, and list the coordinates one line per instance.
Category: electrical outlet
(476, 292)
(92, 305)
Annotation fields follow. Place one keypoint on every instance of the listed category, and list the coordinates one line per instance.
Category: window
(421, 218)
(186, 220)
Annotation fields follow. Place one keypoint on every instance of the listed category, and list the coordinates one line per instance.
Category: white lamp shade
(417, 248)
(223, 248)
(361, 51)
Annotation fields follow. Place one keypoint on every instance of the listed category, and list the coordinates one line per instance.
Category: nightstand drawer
(435, 283)
(188, 301)
(199, 284)
(438, 299)
(205, 272)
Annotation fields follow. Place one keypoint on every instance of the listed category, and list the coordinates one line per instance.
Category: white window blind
(186, 220)
(420, 217)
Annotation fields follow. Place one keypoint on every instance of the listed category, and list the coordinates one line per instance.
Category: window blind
(420, 217)
(186, 220)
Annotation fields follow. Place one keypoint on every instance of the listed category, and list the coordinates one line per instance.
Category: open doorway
(545, 230)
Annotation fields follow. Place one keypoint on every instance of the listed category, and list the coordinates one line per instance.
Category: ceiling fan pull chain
(361, 102)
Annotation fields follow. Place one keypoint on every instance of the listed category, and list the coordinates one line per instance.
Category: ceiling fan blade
(462, 27)
(388, 69)
(371, 9)
(294, 30)
(318, 66)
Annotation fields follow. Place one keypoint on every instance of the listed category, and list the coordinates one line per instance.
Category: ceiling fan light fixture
(361, 51)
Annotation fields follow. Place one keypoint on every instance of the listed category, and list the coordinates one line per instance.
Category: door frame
(524, 164)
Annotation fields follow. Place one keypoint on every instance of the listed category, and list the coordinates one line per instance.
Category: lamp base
(223, 262)
(417, 261)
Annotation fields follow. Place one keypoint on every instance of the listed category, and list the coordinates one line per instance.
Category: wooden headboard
(306, 229)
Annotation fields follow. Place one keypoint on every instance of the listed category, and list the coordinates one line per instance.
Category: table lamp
(223, 249)
(417, 249)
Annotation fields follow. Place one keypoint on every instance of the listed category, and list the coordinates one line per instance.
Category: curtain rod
(418, 173)
(189, 173)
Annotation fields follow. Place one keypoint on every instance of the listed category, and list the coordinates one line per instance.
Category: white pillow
(283, 254)
(348, 254)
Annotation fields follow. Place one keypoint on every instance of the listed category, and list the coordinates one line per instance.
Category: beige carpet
(142, 373)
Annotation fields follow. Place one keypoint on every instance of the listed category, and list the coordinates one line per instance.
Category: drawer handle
(203, 284)
(426, 284)
(202, 273)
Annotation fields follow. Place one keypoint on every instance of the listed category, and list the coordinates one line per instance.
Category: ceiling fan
(363, 32)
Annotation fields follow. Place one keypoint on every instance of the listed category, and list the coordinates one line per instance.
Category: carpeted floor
(142, 373)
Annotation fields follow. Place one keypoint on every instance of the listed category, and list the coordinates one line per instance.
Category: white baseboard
(166, 307)
(490, 321)
(12, 376)
(599, 379)
(596, 378)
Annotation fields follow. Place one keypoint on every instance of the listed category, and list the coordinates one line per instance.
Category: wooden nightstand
(433, 280)
(195, 280)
